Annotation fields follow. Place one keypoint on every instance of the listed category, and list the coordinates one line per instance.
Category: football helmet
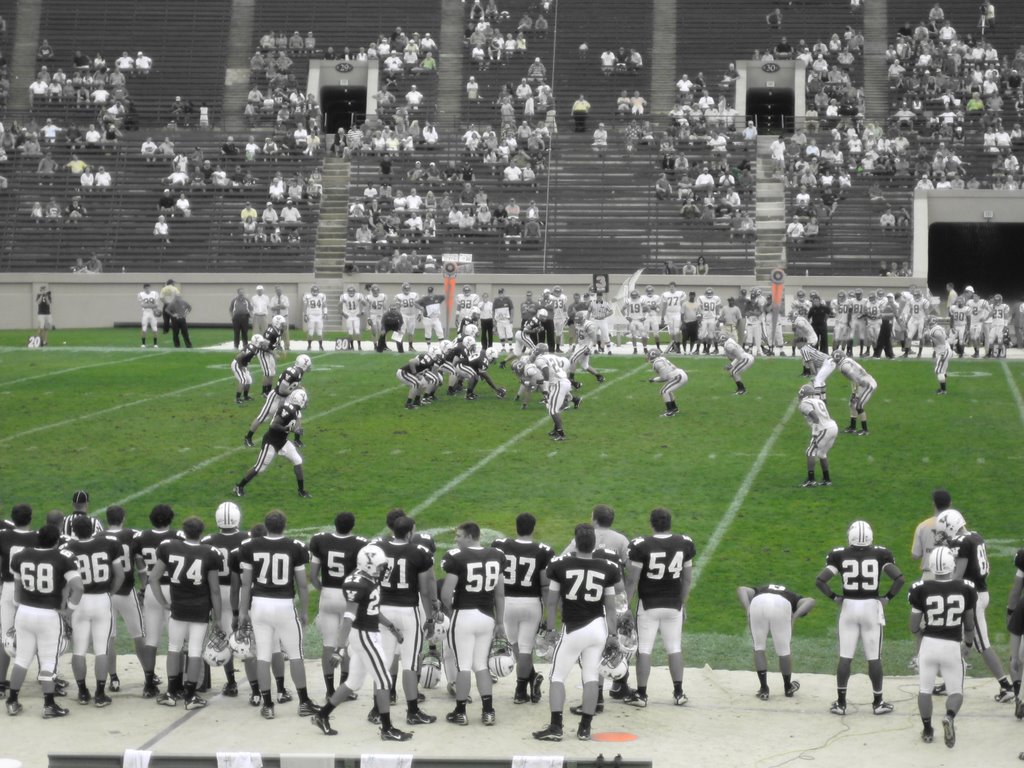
(858, 292)
(859, 534)
(441, 626)
(709, 291)
(653, 354)
(838, 355)
(649, 290)
(948, 524)
(406, 286)
(542, 314)
(11, 642)
(634, 294)
(278, 322)
(446, 345)
(228, 515)
(242, 642)
(501, 661)
(491, 354)
(941, 561)
(469, 329)
(625, 631)
(518, 366)
(304, 363)
(430, 669)
(350, 290)
(258, 341)
(590, 328)
(841, 295)
(475, 312)
(998, 298)
(800, 294)
(544, 645)
(807, 390)
(723, 337)
(298, 398)
(613, 663)
(916, 293)
(216, 652)
(540, 349)
(314, 289)
(372, 561)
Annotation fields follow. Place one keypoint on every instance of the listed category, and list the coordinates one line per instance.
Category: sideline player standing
(125, 600)
(314, 315)
(352, 306)
(44, 314)
(937, 334)
(771, 610)
(408, 306)
(941, 615)
(861, 611)
(672, 316)
(149, 300)
(823, 434)
(228, 538)
(154, 615)
(12, 541)
(674, 378)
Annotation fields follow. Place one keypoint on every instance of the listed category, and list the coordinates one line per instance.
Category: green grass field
(141, 427)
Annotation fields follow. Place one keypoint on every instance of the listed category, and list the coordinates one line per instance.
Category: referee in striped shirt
(80, 506)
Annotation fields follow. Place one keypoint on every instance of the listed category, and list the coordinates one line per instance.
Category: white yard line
(742, 492)
(78, 368)
(1014, 390)
(232, 451)
(112, 409)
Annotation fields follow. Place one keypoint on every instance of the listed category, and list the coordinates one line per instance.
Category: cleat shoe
(669, 414)
(308, 709)
(521, 698)
(247, 399)
(809, 484)
(267, 711)
(578, 709)
(195, 702)
(393, 734)
(457, 718)
(862, 433)
(793, 688)
(14, 708)
(305, 494)
(576, 401)
(636, 699)
(420, 718)
(1004, 695)
(230, 689)
(471, 395)
(535, 687)
(115, 683)
(939, 690)
(489, 717)
(284, 696)
(583, 732)
(150, 691)
(576, 384)
(102, 700)
(620, 692)
(551, 733)
(948, 732)
(1018, 709)
(61, 686)
(559, 437)
(825, 483)
(882, 708)
(323, 722)
(373, 716)
(763, 694)
(84, 697)
(255, 700)
(238, 490)
(247, 442)
(681, 699)
(850, 430)
(167, 700)
(53, 710)
(837, 709)
(928, 735)
(600, 378)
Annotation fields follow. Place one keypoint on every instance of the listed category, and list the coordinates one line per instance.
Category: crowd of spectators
(489, 34)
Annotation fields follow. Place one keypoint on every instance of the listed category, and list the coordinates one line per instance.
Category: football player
(412, 375)
(672, 316)
(996, 336)
(959, 324)
(125, 600)
(979, 309)
(739, 360)
(273, 574)
(43, 573)
(559, 308)
(526, 584)
(585, 587)
(660, 573)
(332, 558)
(674, 378)
(522, 342)
(98, 558)
(864, 386)
(755, 336)
(154, 615)
(861, 565)
(474, 368)
(194, 572)
(873, 314)
(289, 381)
(474, 592)
(937, 335)
(601, 312)
(12, 540)
(841, 331)
(633, 311)
(799, 310)
(559, 389)
(972, 563)
(240, 367)
(267, 353)
(376, 304)
(430, 308)
(858, 322)
(817, 365)
(408, 305)
(362, 616)
(823, 433)
(916, 313)
(149, 300)
(652, 318)
(288, 419)
(710, 307)
(803, 332)
(942, 613)
(228, 538)
(464, 305)
(314, 315)
(579, 355)
(771, 610)
(352, 307)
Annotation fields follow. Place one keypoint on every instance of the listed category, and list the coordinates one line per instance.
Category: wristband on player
(834, 597)
(889, 595)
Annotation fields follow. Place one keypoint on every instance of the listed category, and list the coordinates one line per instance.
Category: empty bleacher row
(8, 11)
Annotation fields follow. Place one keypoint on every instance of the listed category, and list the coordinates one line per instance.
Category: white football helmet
(948, 524)
(838, 355)
(278, 322)
(11, 642)
(446, 345)
(430, 669)
(441, 626)
(258, 341)
(807, 390)
(304, 363)
(501, 661)
(653, 354)
(859, 534)
(540, 349)
(544, 644)
(228, 515)
(298, 398)
(491, 354)
(723, 337)
(613, 663)
(625, 631)
(242, 643)
(372, 561)
(469, 329)
(216, 652)
(941, 561)
(542, 314)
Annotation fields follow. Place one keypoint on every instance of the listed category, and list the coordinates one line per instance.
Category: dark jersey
(336, 554)
(277, 433)
(400, 584)
(245, 357)
(97, 527)
(273, 561)
(479, 571)
(189, 565)
(525, 561)
(860, 568)
(943, 603)
(124, 538)
(363, 596)
(661, 558)
(289, 380)
(582, 584)
(95, 560)
(971, 547)
(43, 574)
(12, 541)
(222, 544)
(272, 337)
(146, 544)
(777, 589)
(422, 362)
(426, 541)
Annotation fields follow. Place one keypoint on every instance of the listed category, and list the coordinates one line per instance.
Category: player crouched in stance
(861, 609)
(771, 610)
(554, 372)
(288, 419)
(942, 613)
(42, 614)
(585, 586)
(362, 616)
(823, 434)
(739, 360)
(240, 367)
(420, 376)
(864, 386)
(674, 378)
(474, 368)
(937, 335)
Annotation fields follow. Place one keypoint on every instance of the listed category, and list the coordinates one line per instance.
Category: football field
(140, 427)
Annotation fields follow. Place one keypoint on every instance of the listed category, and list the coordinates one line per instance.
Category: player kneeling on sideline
(942, 612)
(288, 419)
(864, 386)
(823, 434)
(362, 595)
(673, 377)
(771, 610)
(739, 360)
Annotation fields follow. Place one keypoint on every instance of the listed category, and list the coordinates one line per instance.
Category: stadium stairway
(876, 79)
(663, 40)
(771, 213)
(333, 227)
(236, 75)
(23, 54)
(450, 87)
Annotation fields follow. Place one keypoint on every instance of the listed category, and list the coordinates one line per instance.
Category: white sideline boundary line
(232, 451)
(79, 368)
(741, 495)
(105, 411)
(1014, 390)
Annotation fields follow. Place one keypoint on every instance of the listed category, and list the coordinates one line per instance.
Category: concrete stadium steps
(21, 17)
(332, 230)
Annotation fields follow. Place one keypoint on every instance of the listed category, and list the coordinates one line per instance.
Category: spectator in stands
(537, 72)
(634, 62)
(44, 52)
(663, 187)
(38, 91)
(182, 206)
(75, 210)
(795, 232)
(47, 168)
(887, 221)
(580, 110)
(702, 266)
(774, 18)
(103, 178)
(87, 179)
